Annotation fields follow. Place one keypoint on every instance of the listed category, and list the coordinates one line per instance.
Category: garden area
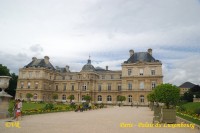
(189, 111)
(166, 103)
(30, 108)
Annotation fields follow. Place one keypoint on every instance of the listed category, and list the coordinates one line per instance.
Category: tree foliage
(121, 98)
(70, 97)
(87, 98)
(4, 71)
(167, 94)
(28, 96)
(55, 96)
(151, 97)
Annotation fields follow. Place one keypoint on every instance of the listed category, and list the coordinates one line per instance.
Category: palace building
(138, 76)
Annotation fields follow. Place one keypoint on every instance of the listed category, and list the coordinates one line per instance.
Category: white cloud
(68, 31)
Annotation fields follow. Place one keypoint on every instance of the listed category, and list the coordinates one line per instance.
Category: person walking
(17, 111)
(20, 106)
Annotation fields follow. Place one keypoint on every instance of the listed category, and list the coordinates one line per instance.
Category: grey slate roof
(88, 66)
(187, 85)
(99, 69)
(141, 56)
(40, 63)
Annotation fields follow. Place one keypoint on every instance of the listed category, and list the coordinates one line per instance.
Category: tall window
(141, 72)
(22, 85)
(119, 87)
(36, 85)
(23, 75)
(29, 85)
(99, 98)
(64, 87)
(37, 74)
(109, 87)
(84, 87)
(129, 72)
(129, 86)
(120, 76)
(111, 76)
(56, 87)
(109, 98)
(153, 72)
(63, 97)
(141, 98)
(130, 98)
(99, 87)
(30, 74)
(35, 96)
(153, 84)
(141, 84)
(83, 97)
(103, 77)
(72, 87)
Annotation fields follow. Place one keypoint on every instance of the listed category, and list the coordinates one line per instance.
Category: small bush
(73, 105)
(181, 108)
(197, 111)
(49, 106)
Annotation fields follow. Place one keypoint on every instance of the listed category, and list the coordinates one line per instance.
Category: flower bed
(193, 118)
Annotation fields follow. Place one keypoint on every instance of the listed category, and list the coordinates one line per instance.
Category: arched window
(130, 98)
(109, 98)
(99, 98)
(35, 96)
(141, 98)
(63, 97)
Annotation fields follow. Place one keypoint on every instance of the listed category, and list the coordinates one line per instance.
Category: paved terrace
(95, 121)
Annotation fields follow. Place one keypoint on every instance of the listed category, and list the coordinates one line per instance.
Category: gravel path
(105, 120)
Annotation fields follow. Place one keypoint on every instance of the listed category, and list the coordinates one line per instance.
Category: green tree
(70, 97)
(55, 96)
(87, 98)
(28, 96)
(4, 71)
(167, 94)
(12, 85)
(151, 97)
(121, 98)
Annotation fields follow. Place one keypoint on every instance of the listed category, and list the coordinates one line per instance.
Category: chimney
(150, 51)
(67, 68)
(131, 52)
(106, 67)
(46, 59)
(34, 58)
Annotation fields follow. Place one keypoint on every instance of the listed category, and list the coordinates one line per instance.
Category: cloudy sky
(68, 31)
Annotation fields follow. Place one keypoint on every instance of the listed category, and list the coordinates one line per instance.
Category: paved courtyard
(106, 120)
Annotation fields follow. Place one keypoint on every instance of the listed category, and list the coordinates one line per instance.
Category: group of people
(17, 109)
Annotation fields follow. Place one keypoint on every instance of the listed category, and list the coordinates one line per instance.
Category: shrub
(181, 109)
(49, 106)
(197, 111)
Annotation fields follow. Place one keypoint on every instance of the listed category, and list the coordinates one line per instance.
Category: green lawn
(28, 106)
(191, 107)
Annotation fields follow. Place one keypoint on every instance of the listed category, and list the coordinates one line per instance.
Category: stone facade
(137, 78)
